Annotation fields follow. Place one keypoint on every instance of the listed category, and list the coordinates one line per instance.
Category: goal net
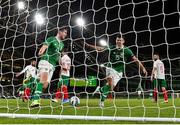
(149, 26)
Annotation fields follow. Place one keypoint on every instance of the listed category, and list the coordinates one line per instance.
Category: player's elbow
(40, 52)
(136, 60)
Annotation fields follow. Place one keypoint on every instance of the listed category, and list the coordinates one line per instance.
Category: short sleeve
(129, 53)
(155, 64)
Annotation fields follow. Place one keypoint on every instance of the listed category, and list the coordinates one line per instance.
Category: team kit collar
(58, 38)
(119, 47)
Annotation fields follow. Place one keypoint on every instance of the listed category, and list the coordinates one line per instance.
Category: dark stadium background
(148, 27)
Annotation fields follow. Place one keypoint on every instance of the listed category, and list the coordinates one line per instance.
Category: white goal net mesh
(149, 26)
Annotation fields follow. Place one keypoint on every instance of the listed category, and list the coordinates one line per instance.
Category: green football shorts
(159, 82)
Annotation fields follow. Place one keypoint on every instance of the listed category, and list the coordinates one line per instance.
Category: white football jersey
(29, 71)
(65, 63)
(159, 73)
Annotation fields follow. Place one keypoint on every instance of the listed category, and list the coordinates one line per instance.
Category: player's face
(155, 57)
(63, 34)
(120, 41)
(33, 63)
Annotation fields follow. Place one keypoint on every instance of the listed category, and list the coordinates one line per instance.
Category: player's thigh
(45, 70)
(114, 75)
(109, 74)
(43, 77)
(116, 78)
(50, 74)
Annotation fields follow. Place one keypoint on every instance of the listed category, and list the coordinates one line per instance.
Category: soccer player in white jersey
(158, 77)
(62, 90)
(28, 86)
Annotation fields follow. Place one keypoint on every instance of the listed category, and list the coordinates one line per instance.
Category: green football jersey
(118, 57)
(53, 51)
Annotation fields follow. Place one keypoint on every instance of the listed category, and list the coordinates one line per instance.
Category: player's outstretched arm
(23, 71)
(18, 74)
(136, 60)
(98, 48)
(42, 50)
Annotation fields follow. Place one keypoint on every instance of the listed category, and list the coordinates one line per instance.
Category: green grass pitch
(89, 107)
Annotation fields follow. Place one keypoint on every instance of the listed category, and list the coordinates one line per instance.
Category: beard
(155, 59)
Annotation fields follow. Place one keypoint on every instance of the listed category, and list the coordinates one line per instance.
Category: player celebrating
(49, 53)
(119, 55)
(158, 78)
(28, 85)
(65, 63)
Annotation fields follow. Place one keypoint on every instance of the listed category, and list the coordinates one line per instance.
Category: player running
(62, 90)
(119, 55)
(49, 53)
(158, 78)
(28, 83)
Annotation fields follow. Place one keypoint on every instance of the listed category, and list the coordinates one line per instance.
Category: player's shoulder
(111, 47)
(159, 61)
(28, 66)
(126, 48)
(51, 39)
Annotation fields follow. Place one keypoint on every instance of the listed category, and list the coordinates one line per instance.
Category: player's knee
(45, 85)
(109, 80)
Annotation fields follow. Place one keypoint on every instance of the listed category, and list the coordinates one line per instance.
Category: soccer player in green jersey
(49, 53)
(119, 55)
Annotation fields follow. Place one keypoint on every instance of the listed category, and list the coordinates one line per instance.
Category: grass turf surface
(118, 107)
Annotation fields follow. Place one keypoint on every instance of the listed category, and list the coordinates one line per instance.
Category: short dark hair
(120, 36)
(156, 53)
(33, 60)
